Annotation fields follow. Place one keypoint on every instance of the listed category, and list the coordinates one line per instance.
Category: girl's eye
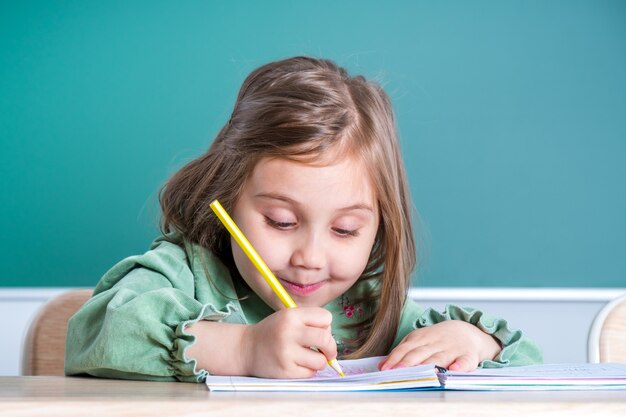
(279, 225)
(345, 232)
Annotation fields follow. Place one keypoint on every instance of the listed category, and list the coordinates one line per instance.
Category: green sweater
(134, 325)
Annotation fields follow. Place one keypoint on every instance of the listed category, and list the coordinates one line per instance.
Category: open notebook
(363, 375)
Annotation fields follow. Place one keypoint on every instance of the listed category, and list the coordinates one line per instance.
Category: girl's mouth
(301, 289)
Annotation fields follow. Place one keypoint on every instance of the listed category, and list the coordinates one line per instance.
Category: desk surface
(61, 396)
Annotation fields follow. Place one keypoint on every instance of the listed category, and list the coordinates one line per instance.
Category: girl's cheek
(275, 253)
(349, 263)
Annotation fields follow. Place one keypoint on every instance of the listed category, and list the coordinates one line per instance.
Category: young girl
(309, 167)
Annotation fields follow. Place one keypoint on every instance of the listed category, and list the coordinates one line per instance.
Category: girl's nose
(309, 252)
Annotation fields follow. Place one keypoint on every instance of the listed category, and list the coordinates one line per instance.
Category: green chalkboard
(512, 116)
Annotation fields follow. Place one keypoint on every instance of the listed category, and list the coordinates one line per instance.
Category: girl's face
(314, 226)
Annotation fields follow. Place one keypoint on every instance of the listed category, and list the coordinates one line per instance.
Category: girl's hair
(301, 108)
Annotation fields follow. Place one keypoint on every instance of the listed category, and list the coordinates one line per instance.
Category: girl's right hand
(280, 345)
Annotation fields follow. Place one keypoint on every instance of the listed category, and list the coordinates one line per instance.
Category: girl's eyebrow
(281, 197)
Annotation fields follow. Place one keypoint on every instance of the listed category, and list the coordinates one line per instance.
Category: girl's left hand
(453, 344)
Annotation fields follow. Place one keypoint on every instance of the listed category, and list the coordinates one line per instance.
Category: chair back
(43, 352)
(607, 338)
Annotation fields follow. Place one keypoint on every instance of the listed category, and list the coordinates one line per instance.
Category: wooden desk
(60, 396)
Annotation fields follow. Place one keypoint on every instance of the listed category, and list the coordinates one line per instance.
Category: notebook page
(361, 374)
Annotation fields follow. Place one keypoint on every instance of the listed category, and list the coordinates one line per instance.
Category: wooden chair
(43, 352)
(607, 337)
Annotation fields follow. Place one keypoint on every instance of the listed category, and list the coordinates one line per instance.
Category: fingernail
(399, 366)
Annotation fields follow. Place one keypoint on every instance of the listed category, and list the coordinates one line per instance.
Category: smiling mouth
(301, 289)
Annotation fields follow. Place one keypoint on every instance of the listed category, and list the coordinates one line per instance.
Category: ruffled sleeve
(517, 349)
(134, 325)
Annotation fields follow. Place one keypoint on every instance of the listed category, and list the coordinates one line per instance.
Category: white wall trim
(416, 293)
(31, 294)
(516, 294)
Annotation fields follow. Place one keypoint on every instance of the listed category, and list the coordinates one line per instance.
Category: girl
(310, 169)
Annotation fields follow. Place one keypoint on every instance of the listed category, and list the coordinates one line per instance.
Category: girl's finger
(321, 339)
(464, 363)
(394, 357)
(311, 361)
(408, 356)
(314, 316)
(422, 356)
(443, 359)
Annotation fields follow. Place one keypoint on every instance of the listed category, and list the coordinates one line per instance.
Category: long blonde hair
(299, 108)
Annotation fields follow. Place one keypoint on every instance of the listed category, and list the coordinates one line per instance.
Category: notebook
(363, 375)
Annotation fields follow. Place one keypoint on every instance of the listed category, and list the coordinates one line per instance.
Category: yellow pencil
(255, 258)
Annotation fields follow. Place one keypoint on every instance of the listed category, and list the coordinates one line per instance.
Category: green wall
(512, 117)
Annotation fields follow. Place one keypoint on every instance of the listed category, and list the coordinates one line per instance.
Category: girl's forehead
(343, 179)
(349, 167)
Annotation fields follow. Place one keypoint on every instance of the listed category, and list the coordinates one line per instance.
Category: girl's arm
(453, 344)
(463, 333)
(151, 315)
(135, 330)
(276, 347)
(223, 358)
(133, 327)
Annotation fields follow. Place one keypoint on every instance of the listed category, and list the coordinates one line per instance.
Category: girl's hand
(453, 344)
(280, 345)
